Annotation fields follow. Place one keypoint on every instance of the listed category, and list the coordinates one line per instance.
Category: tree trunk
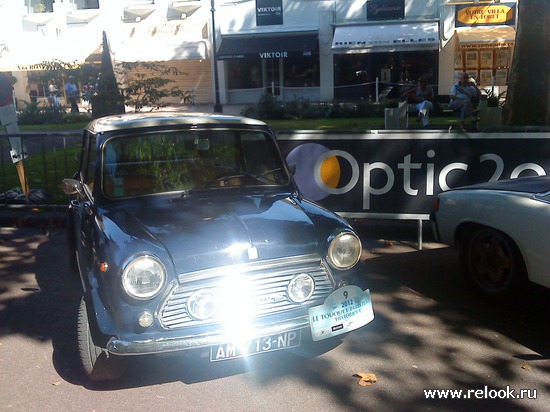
(528, 96)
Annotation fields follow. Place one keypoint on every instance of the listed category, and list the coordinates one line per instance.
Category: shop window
(488, 66)
(355, 74)
(301, 71)
(39, 6)
(244, 74)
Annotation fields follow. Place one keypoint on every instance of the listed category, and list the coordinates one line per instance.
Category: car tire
(492, 264)
(96, 363)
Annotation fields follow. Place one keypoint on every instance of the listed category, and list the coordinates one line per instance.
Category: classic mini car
(189, 232)
(501, 231)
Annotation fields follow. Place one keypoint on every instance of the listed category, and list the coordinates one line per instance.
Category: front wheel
(95, 361)
(493, 264)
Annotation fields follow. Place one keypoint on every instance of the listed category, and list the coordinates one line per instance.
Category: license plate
(263, 344)
(344, 310)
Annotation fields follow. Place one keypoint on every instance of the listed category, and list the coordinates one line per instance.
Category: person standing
(423, 95)
(462, 95)
(52, 91)
(71, 91)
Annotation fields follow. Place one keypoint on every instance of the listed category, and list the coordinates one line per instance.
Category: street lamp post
(217, 105)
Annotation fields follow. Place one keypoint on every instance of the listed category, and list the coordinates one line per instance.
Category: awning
(28, 50)
(386, 37)
(165, 41)
(151, 51)
(486, 37)
(268, 46)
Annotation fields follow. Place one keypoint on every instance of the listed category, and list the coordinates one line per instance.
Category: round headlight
(344, 250)
(143, 277)
(301, 287)
(202, 304)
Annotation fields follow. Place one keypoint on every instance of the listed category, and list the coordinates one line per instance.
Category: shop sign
(385, 10)
(504, 13)
(269, 12)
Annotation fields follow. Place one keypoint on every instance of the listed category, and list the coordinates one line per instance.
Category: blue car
(188, 232)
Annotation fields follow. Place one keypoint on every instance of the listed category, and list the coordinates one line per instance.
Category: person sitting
(423, 96)
(461, 95)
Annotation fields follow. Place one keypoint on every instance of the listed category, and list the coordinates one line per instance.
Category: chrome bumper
(119, 346)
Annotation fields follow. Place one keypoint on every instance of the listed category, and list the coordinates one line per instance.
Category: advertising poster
(486, 77)
(398, 175)
(487, 59)
(459, 64)
(472, 59)
(501, 77)
(502, 58)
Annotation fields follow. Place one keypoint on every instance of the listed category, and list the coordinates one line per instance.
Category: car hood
(200, 233)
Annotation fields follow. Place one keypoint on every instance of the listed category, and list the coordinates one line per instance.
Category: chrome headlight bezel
(203, 304)
(344, 250)
(140, 271)
(302, 282)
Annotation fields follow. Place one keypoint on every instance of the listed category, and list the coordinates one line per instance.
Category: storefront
(176, 43)
(285, 65)
(486, 38)
(394, 52)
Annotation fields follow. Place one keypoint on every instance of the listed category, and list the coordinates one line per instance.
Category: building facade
(319, 50)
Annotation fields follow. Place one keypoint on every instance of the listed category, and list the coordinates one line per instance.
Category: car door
(83, 207)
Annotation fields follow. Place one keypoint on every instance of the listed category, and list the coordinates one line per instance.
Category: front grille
(261, 285)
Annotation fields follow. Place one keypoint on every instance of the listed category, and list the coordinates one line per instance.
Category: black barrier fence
(47, 159)
(363, 174)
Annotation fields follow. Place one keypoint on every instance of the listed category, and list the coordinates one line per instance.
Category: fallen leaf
(56, 383)
(366, 378)
(526, 366)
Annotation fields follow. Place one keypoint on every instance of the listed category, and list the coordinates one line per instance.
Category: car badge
(252, 253)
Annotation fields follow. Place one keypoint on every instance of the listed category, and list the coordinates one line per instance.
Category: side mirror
(71, 186)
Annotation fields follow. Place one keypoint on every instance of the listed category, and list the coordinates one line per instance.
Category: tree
(107, 98)
(148, 85)
(528, 96)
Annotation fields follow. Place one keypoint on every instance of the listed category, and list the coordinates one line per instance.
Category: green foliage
(107, 99)
(44, 114)
(149, 85)
(41, 113)
(269, 108)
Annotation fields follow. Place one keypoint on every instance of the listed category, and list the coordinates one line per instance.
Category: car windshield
(185, 161)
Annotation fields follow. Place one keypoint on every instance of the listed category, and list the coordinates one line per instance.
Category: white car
(501, 230)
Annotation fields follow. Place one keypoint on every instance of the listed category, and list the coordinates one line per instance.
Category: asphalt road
(429, 332)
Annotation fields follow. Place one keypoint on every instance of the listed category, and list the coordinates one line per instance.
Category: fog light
(202, 304)
(145, 319)
(301, 287)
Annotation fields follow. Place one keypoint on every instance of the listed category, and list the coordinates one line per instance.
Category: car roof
(540, 184)
(154, 119)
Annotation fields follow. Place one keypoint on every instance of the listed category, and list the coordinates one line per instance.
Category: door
(272, 76)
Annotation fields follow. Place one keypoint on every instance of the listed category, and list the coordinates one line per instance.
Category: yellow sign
(485, 15)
